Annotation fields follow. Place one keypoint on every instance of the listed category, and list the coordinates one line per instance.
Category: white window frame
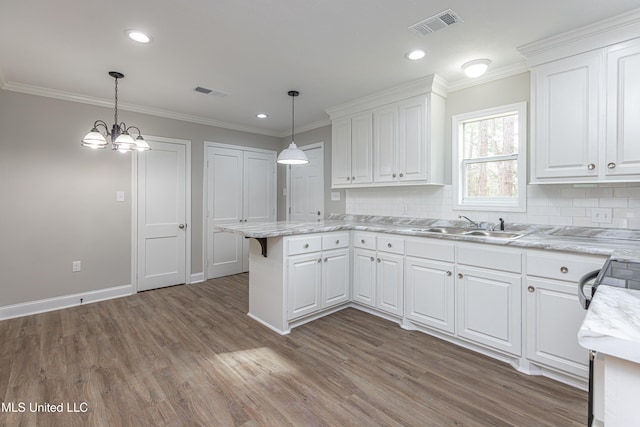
(496, 204)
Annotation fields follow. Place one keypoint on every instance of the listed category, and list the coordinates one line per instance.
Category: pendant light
(119, 135)
(292, 155)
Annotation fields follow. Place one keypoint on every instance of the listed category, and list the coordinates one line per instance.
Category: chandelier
(119, 136)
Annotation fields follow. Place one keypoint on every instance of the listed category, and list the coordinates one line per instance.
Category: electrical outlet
(76, 266)
(405, 208)
(335, 196)
(601, 215)
(119, 196)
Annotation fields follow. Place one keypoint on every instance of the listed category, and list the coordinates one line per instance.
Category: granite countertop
(587, 240)
(612, 323)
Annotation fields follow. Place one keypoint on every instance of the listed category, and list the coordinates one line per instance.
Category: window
(490, 159)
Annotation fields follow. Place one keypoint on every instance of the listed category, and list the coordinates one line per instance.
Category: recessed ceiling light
(476, 68)
(138, 36)
(415, 55)
(262, 115)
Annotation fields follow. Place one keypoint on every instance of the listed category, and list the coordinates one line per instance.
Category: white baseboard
(197, 278)
(57, 303)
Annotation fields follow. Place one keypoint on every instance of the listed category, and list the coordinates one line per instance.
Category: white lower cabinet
(319, 279)
(378, 275)
(430, 288)
(489, 308)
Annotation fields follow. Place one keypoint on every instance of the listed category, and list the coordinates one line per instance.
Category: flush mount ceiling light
(118, 136)
(415, 55)
(476, 68)
(262, 115)
(138, 36)
(292, 155)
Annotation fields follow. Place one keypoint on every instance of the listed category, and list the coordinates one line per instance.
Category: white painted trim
(310, 126)
(3, 79)
(617, 29)
(65, 301)
(205, 192)
(265, 324)
(197, 278)
(496, 74)
(108, 103)
(287, 197)
(134, 208)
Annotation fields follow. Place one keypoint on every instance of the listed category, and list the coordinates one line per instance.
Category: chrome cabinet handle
(353, 178)
(393, 175)
(460, 276)
(611, 165)
(318, 212)
(362, 241)
(448, 273)
(306, 246)
(531, 289)
(348, 179)
(337, 242)
(591, 166)
(388, 245)
(326, 259)
(372, 259)
(379, 260)
(181, 226)
(319, 259)
(401, 175)
(564, 270)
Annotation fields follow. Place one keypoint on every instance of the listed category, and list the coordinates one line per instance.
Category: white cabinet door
(430, 293)
(364, 276)
(489, 308)
(341, 152)
(412, 145)
(623, 111)
(565, 132)
(335, 277)
(385, 144)
(390, 283)
(554, 317)
(304, 281)
(362, 149)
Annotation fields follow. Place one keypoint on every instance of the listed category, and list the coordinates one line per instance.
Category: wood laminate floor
(190, 356)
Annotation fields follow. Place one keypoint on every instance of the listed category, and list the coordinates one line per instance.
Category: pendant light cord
(292, 117)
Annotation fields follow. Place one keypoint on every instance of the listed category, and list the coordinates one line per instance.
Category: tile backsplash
(571, 205)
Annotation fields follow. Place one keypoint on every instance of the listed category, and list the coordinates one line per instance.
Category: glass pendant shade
(94, 139)
(124, 142)
(292, 156)
(141, 144)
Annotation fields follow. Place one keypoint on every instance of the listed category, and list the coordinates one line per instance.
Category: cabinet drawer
(486, 256)
(430, 248)
(304, 244)
(335, 240)
(559, 266)
(364, 240)
(388, 243)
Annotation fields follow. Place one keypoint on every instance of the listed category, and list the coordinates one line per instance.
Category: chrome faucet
(477, 225)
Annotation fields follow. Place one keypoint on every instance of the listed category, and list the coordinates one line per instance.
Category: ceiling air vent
(212, 92)
(437, 22)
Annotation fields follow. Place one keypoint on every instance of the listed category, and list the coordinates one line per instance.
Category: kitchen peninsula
(511, 295)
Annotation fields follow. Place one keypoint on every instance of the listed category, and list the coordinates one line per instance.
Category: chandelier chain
(115, 114)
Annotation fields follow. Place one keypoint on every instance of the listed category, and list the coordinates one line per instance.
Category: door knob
(181, 226)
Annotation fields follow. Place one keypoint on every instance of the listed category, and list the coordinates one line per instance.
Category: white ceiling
(332, 51)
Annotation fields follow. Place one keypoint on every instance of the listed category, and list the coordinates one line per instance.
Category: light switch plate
(76, 266)
(601, 215)
(119, 196)
(335, 196)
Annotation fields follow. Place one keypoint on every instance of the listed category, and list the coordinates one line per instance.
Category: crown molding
(424, 85)
(617, 29)
(496, 74)
(305, 128)
(75, 97)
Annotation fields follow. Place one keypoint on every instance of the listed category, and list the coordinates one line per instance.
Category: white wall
(57, 199)
(546, 204)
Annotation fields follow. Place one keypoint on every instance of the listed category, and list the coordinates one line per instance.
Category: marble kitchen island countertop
(612, 323)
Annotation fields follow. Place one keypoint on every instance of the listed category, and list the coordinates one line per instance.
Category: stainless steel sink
(442, 230)
(493, 234)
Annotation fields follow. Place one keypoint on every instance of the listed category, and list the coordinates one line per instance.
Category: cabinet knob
(353, 178)
(318, 212)
(337, 242)
(564, 270)
(319, 259)
(531, 289)
(306, 246)
(362, 241)
(181, 226)
(393, 175)
(460, 276)
(611, 165)
(326, 259)
(448, 273)
(372, 258)
(591, 166)
(401, 175)
(240, 220)
(388, 245)
(379, 260)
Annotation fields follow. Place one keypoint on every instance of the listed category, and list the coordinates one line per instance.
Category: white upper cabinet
(585, 104)
(566, 118)
(392, 138)
(623, 112)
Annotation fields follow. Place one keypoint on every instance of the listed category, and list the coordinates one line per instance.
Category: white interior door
(225, 251)
(161, 210)
(307, 187)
